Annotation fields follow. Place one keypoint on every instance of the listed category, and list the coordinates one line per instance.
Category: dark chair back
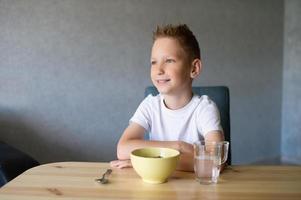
(220, 95)
(13, 162)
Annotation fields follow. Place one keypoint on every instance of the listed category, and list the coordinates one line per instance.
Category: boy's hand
(121, 163)
(186, 157)
(185, 147)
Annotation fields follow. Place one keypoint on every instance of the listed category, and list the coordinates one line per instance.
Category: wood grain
(75, 180)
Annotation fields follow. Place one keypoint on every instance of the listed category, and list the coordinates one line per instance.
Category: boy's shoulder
(151, 103)
(152, 99)
(203, 99)
(205, 104)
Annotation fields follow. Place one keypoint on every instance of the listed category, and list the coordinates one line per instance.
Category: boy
(176, 117)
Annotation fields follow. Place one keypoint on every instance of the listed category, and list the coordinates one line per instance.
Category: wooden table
(75, 180)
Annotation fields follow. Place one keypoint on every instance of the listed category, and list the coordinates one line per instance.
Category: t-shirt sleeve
(142, 114)
(209, 118)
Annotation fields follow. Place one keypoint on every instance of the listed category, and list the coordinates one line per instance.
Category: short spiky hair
(183, 35)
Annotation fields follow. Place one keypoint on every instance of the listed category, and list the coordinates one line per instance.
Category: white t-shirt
(189, 124)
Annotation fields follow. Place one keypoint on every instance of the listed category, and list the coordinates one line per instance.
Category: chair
(220, 95)
(13, 162)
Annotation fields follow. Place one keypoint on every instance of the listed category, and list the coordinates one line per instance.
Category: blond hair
(183, 35)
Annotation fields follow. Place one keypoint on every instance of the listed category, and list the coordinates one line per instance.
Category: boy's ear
(196, 68)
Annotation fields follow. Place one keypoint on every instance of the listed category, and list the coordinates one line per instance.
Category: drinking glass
(208, 159)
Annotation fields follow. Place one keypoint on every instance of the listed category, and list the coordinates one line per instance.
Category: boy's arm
(133, 138)
(215, 136)
(187, 155)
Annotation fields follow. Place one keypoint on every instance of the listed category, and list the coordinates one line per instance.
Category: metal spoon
(103, 179)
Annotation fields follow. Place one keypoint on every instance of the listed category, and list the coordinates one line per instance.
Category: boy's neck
(175, 102)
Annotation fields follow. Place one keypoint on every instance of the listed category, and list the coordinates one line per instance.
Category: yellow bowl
(154, 165)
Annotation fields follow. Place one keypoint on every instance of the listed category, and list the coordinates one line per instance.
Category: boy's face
(170, 67)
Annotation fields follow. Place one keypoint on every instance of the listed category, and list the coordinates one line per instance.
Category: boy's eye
(170, 60)
(153, 62)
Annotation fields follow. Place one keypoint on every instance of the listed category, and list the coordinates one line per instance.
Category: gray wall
(73, 72)
(291, 109)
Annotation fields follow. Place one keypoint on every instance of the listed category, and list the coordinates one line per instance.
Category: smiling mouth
(161, 81)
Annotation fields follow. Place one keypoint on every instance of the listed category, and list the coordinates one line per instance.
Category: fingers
(125, 164)
(121, 163)
(186, 147)
(114, 163)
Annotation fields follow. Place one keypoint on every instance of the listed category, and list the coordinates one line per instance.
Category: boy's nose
(160, 69)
